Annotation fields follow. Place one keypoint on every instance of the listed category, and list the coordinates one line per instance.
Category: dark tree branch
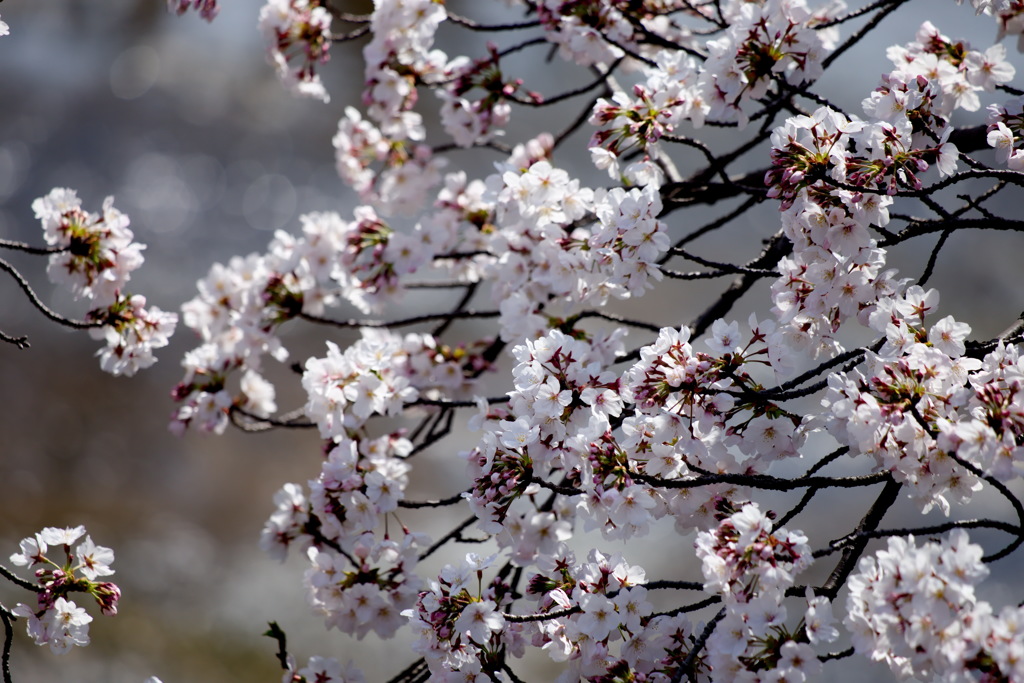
(851, 554)
(43, 308)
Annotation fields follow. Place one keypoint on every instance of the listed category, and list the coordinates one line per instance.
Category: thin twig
(43, 308)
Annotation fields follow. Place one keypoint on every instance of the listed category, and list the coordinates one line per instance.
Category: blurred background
(185, 124)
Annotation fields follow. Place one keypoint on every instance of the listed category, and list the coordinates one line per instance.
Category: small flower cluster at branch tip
(768, 43)
(462, 629)
(745, 559)
(600, 621)
(207, 9)
(96, 257)
(588, 32)
(323, 670)
(408, 170)
(752, 564)
(959, 72)
(399, 57)
(627, 124)
(475, 122)
(55, 620)
(1006, 133)
(921, 408)
(356, 581)
(298, 38)
(915, 609)
(369, 594)
(616, 256)
(379, 375)
(990, 6)
(241, 307)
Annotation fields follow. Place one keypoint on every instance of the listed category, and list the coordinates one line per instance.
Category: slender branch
(934, 256)
(29, 249)
(918, 228)
(756, 481)
(685, 585)
(445, 403)
(851, 554)
(811, 492)
(435, 434)
(717, 223)
(689, 666)
(417, 672)
(43, 308)
(18, 581)
(454, 533)
(441, 284)
(620, 320)
(887, 9)
(21, 342)
(578, 122)
(777, 247)
(444, 502)
(475, 26)
(459, 307)
(557, 488)
(694, 275)
(848, 652)
(254, 424)
(510, 673)
(725, 267)
(402, 322)
(278, 635)
(853, 14)
(576, 92)
(5, 658)
(931, 529)
(522, 46)
(526, 618)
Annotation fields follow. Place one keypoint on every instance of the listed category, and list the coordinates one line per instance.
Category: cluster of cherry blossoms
(471, 122)
(836, 270)
(357, 580)
(751, 565)
(769, 45)
(589, 33)
(915, 609)
(321, 670)
(406, 172)
(55, 620)
(587, 608)
(1008, 13)
(934, 418)
(94, 254)
(207, 9)
(242, 306)
(298, 37)
(1005, 132)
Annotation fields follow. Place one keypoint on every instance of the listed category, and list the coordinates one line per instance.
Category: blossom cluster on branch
(54, 619)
